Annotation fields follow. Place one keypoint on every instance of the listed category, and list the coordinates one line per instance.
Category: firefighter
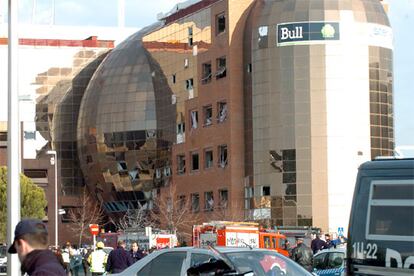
(97, 260)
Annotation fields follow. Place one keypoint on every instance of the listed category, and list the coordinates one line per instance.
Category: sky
(140, 13)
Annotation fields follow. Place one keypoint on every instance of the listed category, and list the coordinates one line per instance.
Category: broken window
(222, 112)
(222, 156)
(181, 164)
(262, 36)
(208, 115)
(206, 73)
(180, 133)
(276, 160)
(194, 119)
(194, 161)
(221, 67)
(266, 191)
(186, 63)
(190, 36)
(167, 171)
(189, 87)
(195, 202)
(220, 23)
(208, 201)
(182, 204)
(208, 158)
(223, 196)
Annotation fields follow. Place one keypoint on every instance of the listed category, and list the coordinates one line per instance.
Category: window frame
(218, 16)
(386, 202)
(205, 109)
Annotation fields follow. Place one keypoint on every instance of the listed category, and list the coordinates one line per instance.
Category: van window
(388, 198)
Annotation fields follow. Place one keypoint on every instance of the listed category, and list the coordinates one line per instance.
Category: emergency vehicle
(237, 234)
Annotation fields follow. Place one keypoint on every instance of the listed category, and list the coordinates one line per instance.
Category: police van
(381, 226)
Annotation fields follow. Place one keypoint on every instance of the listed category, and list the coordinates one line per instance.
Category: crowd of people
(303, 254)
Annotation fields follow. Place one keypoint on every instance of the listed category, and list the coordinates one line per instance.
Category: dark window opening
(35, 173)
(174, 78)
(222, 156)
(194, 161)
(222, 112)
(221, 67)
(181, 164)
(206, 73)
(263, 36)
(190, 36)
(182, 204)
(208, 158)
(266, 190)
(208, 201)
(220, 23)
(208, 115)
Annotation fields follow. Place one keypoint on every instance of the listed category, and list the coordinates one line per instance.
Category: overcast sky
(140, 13)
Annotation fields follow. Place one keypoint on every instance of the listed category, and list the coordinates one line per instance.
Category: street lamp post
(55, 163)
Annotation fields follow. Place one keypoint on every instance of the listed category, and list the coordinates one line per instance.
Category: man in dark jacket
(317, 244)
(30, 243)
(302, 254)
(136, 252)
(119, 259)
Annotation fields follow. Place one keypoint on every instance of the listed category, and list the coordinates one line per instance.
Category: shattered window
(224, 196)
(195, 202)
(190, 36)
(208, 158)
(194, 119)
(263, 36)
(181, 164)
(221, 67)
(206, 73)
(208, 201)
(222, 156)
(222, 112)
(220, 23)
(208, 115)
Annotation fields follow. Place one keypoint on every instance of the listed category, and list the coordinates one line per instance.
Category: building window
(29, 135)
(266, 191)
(208, 201)
(222, 112)
(249, 68)
(208, 115)
(221, 67)
(182, 203)
(190, 36)
(189, 84)
(206, 73)
(223, 197)
(195, 203)
(220, 23)
(194, 161)
(208, 158)
(222, 149)
(194, 119)
(180, 133)
(263, 36)
(186, 63)
(173, 78)
(181, 164)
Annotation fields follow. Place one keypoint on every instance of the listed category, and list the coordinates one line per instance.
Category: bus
(381, 226)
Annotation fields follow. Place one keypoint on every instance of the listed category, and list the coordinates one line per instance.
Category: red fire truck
(239, 234)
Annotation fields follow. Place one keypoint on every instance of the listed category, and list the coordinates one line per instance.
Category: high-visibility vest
(97, 261)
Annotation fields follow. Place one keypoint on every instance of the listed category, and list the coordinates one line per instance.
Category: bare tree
(228, 213)
(134, 219)
(90, 212)
(174, 213)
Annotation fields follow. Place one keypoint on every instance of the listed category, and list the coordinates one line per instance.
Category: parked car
(236, 260)
(3, 260)
(330, 262)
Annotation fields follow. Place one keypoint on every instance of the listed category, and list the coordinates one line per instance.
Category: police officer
(97, 260)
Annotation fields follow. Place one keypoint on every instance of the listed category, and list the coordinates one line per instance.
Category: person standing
(317, 244)
(302, 254)
(328, 242)
(97, 260)
(136, 252)
(119, 259)
(30, 244)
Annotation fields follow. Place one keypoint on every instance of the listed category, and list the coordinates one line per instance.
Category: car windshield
(264, 263)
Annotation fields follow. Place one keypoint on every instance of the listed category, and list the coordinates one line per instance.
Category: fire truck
(238, 234)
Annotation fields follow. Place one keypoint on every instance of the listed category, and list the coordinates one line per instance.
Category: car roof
(332, 250)
(221, 249)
